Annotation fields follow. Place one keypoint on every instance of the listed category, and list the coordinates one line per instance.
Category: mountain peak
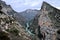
(46, 6)
(45, 3)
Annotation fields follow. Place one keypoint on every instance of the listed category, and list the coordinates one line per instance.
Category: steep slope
(48, 18)
(22, 17)
(8, 9)
(10, 29)
(33, 24)
(49, 21)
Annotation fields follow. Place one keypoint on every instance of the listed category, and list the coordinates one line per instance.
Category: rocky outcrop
(49, 21)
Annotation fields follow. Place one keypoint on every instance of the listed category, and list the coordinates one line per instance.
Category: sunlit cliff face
(44, 20)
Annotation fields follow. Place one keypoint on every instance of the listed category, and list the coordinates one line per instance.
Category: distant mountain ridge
(22, 17)
(29, 14)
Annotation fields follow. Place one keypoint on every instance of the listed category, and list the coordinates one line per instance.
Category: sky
(21, 5)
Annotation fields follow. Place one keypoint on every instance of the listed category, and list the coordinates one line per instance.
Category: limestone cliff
(49, 21)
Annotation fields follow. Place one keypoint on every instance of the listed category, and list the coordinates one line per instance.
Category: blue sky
(21, 5)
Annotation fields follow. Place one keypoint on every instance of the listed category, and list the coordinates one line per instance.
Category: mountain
(49, 21)
(31, 20)
(29, 14)
(48, 18)
(50, 13)
(8, 9)
(10, 27)
(29, 24)
(22, 17)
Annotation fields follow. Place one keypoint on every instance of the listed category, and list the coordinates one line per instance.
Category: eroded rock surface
(49, 21)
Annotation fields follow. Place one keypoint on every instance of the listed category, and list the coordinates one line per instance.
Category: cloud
(23, 4)
(35, 4)
(13, 1)
(31, 3)
(58, 7)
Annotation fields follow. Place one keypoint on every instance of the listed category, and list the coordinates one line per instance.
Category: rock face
(49, 21)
